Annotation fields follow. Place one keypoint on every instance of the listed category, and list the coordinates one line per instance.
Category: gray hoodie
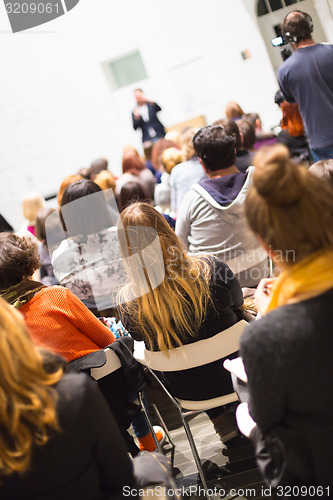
(211, 220)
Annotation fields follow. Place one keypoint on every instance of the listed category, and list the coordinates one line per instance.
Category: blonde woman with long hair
(58, 438)
(174, 299)
(288, 352)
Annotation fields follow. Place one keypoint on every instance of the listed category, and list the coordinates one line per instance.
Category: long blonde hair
(27, 400)
(168, 300)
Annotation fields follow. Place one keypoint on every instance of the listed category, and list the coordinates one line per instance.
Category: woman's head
(70, 179)
(172, 157)
(132, 162)
(171, 289)
(288, 207)
(233, 110)
(87, 216)
(19, 259)
(27, 400)
(187, 142)
(131, 192)
(32, 202)
(158, 147)
(42, 215)
(105, 180)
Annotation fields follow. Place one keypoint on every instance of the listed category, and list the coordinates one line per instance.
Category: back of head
(86, 211)
(105, 180)
(253, 118)
(42, 215)
(158, 147)
(70, 179)
(174, 136)
(97, 166)
(297, 26)
(173, 291)
(233, 110)
(84, 173)
(187, 142)
(231, 127)
(27, 403)
(248, 133)
(32, 202)
(215, 147)
(289, 208)
(171, 157)
(132, 162)
(18, 259)
(324, 170)
(131, 192)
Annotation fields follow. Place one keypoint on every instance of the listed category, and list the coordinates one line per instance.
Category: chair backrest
(195, 371)
(112, 364)
(192, 355)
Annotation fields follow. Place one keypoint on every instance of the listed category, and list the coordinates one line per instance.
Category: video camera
(280, 41)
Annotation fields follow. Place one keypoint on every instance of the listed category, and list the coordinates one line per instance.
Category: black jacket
(153, 123)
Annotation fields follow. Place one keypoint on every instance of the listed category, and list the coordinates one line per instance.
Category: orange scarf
(308, 278)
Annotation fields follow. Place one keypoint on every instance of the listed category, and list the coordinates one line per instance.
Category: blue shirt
(306, 77)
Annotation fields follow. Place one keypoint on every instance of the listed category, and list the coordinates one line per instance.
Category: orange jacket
(58, 321)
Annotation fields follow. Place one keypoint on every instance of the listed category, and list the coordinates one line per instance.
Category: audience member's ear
(202, 164)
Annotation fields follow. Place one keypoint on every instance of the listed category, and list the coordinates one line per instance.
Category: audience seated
(243, 156)
(88, 260)
(233, 111)
(70, 179)
(84, 173)
(58, 436)
(185, 174)
(55, 316)
(179, 299)
(135, 170)
(131, 192)
(288, 352)
(162, 195)
(211, 218)
(262, 138)
(32, 202)
(248, 136)
(158, 147)
(59, 321)
(97, 166)
(174, 136)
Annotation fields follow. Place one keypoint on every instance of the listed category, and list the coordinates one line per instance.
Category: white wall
(58, 112)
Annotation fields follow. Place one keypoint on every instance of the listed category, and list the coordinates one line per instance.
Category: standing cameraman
(306, 78)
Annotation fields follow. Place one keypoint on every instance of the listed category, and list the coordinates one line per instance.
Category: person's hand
(244, 420)
(137, 114)
(262, 294)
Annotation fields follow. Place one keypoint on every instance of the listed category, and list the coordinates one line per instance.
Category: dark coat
(153, 123)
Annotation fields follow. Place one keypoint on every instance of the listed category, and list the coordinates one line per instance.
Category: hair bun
(276, 178)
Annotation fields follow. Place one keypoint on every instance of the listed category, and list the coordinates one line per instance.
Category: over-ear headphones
(293, 38)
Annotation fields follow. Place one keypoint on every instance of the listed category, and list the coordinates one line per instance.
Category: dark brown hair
(18, 259)
(85, 217)
(42, 215)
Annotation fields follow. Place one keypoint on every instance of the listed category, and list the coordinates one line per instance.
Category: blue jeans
(322, 153)
(139, 422)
